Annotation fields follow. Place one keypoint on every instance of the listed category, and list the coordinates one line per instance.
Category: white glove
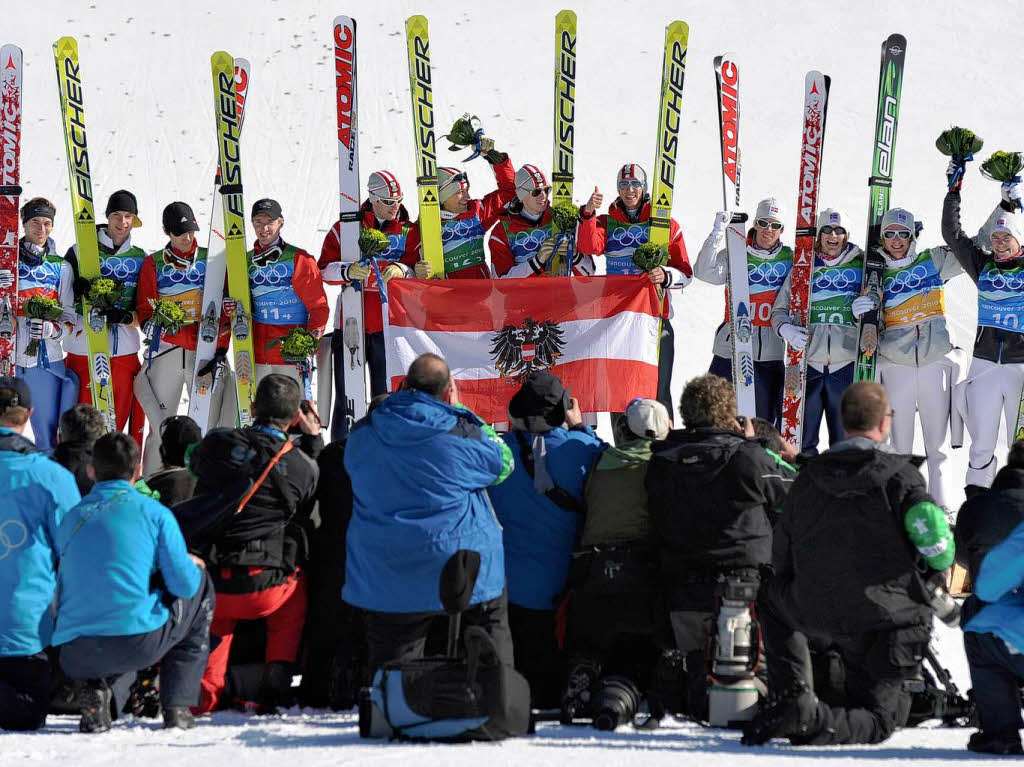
(862, 305)
(40, 329)
(794, 335)
(357, 271)
(333, 272)
(721, 222)
(6, 278)
(391, 271)
(1013, 191)
(545, 251)
(423, 270)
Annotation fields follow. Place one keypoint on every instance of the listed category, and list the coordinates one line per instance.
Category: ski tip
(677, 28)
(65, 46)
(242, 64)
(222, 60)
(724, 57)
(566, 15)
(895, 45)
(416, 24)
(344, 21)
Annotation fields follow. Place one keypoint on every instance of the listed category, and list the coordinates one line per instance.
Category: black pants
(24, 691)
(403, 636)
(996, 675)
(878, 666)
(375, 360)
(181, 646)
(537, 654)
(666, 358)
(768, 379)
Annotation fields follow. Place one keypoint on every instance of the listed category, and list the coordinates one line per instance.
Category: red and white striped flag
(598, 334)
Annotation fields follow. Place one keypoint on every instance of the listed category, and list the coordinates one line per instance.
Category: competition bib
(622, 239)
(765, 277)
(913, 293)
(462, 240)
(1001, 298)
(833, 289)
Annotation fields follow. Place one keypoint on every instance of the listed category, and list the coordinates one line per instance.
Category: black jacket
(843, 562)
(75, 456)
(267, 541)
(990, 344)
(711, 495)
(174, 485)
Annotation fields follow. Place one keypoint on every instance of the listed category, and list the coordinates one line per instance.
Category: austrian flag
(598, 334)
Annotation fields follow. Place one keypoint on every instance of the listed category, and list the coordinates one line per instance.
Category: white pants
(992, 389)
(262, 371)
(159, 391)
(928, 391)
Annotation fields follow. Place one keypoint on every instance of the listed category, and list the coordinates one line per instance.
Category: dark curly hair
(708, 400)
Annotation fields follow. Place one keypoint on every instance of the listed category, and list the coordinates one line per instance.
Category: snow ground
(147, 94)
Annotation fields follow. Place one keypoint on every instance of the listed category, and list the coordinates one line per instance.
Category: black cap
(14, 392)
(179, 218)
(267, 207)
(124, 200)
(37, 207)
(540, 402)
(177, 433)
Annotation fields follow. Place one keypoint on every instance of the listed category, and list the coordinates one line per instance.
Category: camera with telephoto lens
(616, 702)
(945, 608)
(732, 698)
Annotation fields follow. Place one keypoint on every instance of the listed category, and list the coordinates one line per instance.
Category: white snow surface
(148, 98)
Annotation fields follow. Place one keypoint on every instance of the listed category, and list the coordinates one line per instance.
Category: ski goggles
(631, 183)
(892, 234)
(458, 178)
(388, 200)
(542, 192)
(839, 231)
(767, 223)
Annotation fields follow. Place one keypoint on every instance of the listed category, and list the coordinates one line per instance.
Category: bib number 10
(1007, 319)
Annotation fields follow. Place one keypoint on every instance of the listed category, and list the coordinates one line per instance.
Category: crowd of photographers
(699, 571)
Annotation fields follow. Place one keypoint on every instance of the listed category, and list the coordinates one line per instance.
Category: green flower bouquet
(372, 242)
(297, 346)
(1003, 166)
(40, 308)
(650, 256)
(104, 293)
(958, 142)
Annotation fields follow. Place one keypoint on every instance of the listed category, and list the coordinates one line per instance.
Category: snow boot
(794, 712)
(983, 742)
(178, 717)
(275, 689)
(144, 697)
(94, 703)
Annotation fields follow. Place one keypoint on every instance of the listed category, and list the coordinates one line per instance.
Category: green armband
(507, 461)
(928, 530)
(779, 460)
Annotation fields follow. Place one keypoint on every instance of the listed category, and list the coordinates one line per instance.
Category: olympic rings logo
(529, 240)
(837, 279)
(121, 268)
(771, 274)
(13, 535)
(41, 273)
(998, 280)
(461, 229)
(193, 274)
(395, 249)
(628, 237)
(908, 279)
(272, 275)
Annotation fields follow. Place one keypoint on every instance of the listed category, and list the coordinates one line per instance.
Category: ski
(10, 191)
(352, 328)
(816, 86)
(727, 79)
(890, 81)
(229, 125)
(203, 386)
(673, 76)
(565, 122)
(421, 90)
(72, 107)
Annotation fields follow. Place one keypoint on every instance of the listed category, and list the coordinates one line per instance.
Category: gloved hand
(80, 286)
(40, 329)
(117, 316)
(721, 222)
(215, 365)
(333, 272)
(794, 335)
(545, 252)
(391, 271)
(147, 328)
(6, 278)
(955, 173)
(594, 203)
(862, 305)
(357, 272)
(423, 270)
(1013, 193)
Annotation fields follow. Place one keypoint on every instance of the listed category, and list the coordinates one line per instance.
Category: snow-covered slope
(149, 115)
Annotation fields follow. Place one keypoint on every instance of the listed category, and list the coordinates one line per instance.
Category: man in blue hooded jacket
(407, 522)
(540, 507)
(37, 494)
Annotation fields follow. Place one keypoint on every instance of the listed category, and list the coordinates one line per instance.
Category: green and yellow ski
(673, 76)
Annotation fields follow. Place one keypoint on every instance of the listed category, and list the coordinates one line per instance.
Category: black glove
(494, 157)
(117, 316)
(80, 286)
(214, 364)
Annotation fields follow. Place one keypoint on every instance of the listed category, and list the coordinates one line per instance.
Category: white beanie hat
(899, 217)
(769, 208)
(1010, 221)
(833, 217)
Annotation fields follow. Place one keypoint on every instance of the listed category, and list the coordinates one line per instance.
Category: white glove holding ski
(794, 335)
(42, 329)
(862, 305)
(1013, 191)
(6, 278)
(721, 222)
(333, 272)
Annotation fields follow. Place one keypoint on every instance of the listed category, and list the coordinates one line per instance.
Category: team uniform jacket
(514, 243)
(44, 274)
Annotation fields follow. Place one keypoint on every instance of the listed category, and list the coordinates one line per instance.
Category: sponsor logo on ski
(811, 157)
(895, 50)
(74, 116)
(671, 114)
(887, 132)
(424, 104)
(230, 128)
(566, 115)
(729, 118)
(344, 66)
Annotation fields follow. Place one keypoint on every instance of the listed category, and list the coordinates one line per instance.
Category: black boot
(179, 717)
(94, 703)
(794, 712)
(275, 689)
(144, 697)
(983, 742)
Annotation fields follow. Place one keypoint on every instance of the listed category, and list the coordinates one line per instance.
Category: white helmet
(631, 172)
(528, 179)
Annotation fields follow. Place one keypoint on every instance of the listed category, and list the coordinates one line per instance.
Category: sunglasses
(836, 230)
(892, 234)
(767, 223)
(631, 184)
(389, 200)
(543, 192)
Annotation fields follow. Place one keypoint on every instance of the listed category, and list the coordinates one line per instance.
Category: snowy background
(149, 115)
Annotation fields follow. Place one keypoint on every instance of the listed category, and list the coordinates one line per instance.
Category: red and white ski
(10, 156)
(816, 87)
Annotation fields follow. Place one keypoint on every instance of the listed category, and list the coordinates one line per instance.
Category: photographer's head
(82, 424)
(177, 434)
(708, 401)
(865, 412)
(15, 403)
(277, 402)
(115, 456)
(540, 404)
(430, 374)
